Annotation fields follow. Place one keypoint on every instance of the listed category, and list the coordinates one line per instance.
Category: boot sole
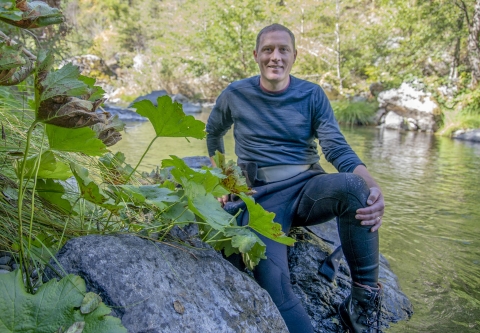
(344, 323)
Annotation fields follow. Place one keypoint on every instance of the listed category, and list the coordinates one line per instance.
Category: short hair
(274, 27)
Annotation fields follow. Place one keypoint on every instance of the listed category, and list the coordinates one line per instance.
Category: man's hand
(223, 199)
(372, 215)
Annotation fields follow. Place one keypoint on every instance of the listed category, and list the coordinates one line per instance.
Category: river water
(431, 230)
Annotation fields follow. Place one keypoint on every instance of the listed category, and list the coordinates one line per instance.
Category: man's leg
(273, 275)
(340, 195)
(328, 196)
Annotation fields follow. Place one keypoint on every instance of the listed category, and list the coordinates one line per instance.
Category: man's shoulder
(304, 84)
(247, 83)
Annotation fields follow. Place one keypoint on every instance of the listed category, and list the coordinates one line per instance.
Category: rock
(467, 135)
(152, 97)
(321, 297)
(5, 260)
(379, 117)
(394, 121)
(376, 88)
(412, 124)
(197, 162)
(187, 106)
(123, 113)
(158, 287)
(409, 102)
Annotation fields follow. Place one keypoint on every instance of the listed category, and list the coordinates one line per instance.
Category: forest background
(197, 47)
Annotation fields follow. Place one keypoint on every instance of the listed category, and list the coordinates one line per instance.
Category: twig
(24, 50)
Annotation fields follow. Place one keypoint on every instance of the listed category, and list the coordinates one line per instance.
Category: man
(276, 118)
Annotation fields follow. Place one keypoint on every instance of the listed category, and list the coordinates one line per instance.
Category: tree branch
(12, 42)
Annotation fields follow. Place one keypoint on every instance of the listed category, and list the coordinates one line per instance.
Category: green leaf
(10, 56)
(63, 82)
(49, 167)
(93, 92)
(233, 181)
(262, 222)
(98, 321)
(76, 327)
(90, 190)
(179, 213)
(253, 257)
(53, 192)
(79, 140)
(207, 206)
(169, 120)
(9, 11)
(90, 302)
(210, 181)
(51, 307)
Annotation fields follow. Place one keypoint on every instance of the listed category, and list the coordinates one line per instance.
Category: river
(431, 230)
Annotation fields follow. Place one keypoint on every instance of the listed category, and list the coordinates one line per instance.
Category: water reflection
(431, 233)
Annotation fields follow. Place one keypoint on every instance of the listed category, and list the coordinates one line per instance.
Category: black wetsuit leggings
(321, 199)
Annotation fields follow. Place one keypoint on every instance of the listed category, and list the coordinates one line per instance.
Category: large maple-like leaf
(49, 167)
(169, 120)
(262, 222)
(79, 140)
(54, 306)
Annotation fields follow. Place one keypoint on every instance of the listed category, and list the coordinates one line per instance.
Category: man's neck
(268, 87)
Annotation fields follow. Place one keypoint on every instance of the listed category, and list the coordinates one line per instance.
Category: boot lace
(370, 313)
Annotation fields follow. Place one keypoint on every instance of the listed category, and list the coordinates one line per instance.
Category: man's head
(275, 27)
(275, 54)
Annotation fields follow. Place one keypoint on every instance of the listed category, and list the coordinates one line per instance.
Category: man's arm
(373, 213)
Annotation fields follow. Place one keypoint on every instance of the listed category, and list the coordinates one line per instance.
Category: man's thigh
(327, 196)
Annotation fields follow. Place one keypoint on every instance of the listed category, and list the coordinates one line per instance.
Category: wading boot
(360, 312)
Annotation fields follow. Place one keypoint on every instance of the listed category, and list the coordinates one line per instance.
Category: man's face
(275, 57)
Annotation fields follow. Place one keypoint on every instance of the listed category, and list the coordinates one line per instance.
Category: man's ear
(255, 55)
(295, 55)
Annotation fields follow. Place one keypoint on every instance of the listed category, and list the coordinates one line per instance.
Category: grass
(354, 113)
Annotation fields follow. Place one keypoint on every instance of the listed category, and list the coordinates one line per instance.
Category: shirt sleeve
(334, 146)
(218, 124)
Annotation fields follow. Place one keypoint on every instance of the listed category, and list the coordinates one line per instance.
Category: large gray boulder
(160, 287)
(417, 109)
(167, 288)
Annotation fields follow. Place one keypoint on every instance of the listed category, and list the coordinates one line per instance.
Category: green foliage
(354, 113)
(168, 119)
(79, 140)
(55, 305)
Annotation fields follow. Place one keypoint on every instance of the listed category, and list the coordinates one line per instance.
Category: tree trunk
(456, 51)
(337, 38)
(474, 45)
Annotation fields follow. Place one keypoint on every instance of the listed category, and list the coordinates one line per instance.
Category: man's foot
(360, 312)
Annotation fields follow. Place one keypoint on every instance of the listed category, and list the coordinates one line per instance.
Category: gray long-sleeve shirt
(279, 128)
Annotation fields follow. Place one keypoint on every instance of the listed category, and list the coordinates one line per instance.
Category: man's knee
(357, 187)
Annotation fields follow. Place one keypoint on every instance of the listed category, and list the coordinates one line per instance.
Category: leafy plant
(57, 306)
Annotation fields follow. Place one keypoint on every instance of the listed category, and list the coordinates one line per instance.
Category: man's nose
(276, 55)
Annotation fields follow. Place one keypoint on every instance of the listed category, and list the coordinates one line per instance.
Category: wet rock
(467, 135)
(410, 102)
(125, 114)
(188, 107)
(152, 97)
(158, 287)
(394, 121)
(5, 260)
